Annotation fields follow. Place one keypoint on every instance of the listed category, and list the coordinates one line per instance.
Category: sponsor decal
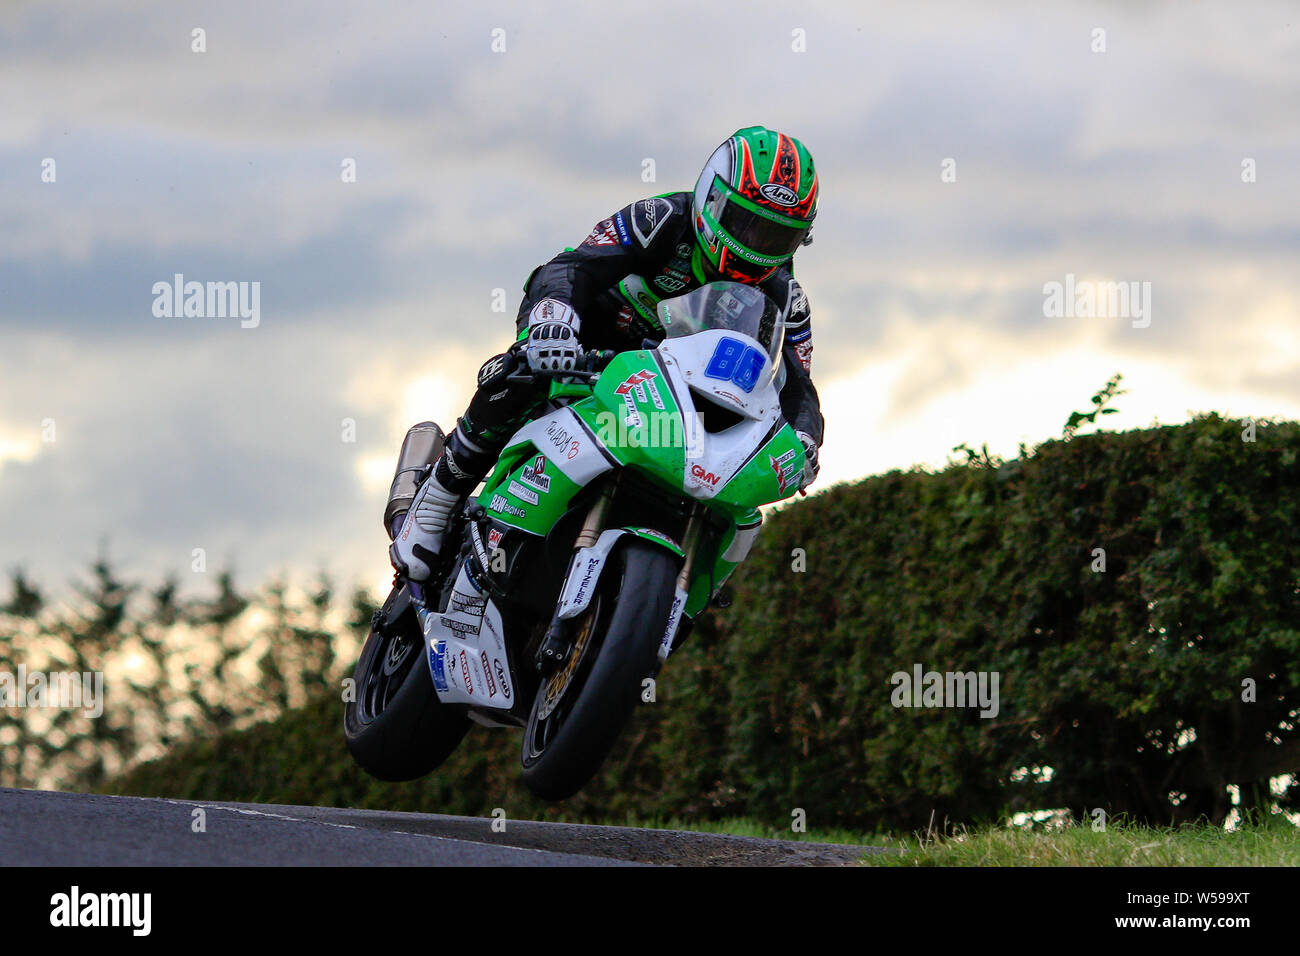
(558, 435)
(674, 617)
(602, 235)
(779, 194)
(464, 673)
(659, 535)
(487, 674)
(699, 473)
(535, 475)
(466, 603)
(501, 677)
(593, 565)
(502, 506)
(455, 469)
(460, 627)
(648, 217)
(492, 629)
(494, 539)
(681, 268)
(621, 225)
(669, 283)
(639, 387)
(798, 300)
(804, 351)
(436, 658)
(731, 303)
(522, 493)
(644, 302)
(748, 254)
(552, 310)
(784, 466)
(491, 369)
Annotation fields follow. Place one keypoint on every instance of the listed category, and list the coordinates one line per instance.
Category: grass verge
(1272, 843)
(1268, 844)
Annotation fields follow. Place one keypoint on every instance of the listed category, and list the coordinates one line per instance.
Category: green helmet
(754, 203)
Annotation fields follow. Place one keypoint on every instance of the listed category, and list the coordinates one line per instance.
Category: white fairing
(567, 443)
(745, 537)
(674, 619)
(694, 353)
(584, 574)
(466, 649)
(713, 459)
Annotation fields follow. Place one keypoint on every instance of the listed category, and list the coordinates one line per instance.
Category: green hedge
(783, 702)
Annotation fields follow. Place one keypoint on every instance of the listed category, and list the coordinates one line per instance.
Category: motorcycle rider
(752, 207)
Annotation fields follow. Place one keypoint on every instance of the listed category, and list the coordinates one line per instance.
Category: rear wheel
(396, 728)
(580, 710)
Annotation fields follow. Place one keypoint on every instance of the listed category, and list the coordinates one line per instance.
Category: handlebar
(588, 369)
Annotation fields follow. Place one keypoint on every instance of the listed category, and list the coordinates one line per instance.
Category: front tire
(580, 710)
(396, 728)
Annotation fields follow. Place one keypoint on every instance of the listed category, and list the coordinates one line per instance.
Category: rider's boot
(460, 467)
(481, 433)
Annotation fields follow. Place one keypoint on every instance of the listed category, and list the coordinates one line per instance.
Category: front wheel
(396, 728)
(580, 709)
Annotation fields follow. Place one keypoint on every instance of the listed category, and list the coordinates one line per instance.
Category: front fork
(557, 644)
(690, 547)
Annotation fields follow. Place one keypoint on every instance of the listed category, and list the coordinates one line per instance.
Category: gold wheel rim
(559, 682)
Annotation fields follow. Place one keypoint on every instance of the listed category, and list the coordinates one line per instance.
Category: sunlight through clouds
(472, 168)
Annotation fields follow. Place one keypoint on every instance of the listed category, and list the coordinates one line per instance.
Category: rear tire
(625, 623)
(396, 728)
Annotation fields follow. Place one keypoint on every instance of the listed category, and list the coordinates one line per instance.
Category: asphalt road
(48, 828)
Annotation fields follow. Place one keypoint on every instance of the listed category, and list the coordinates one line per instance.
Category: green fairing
(711, 572)
(656, 448)
(758, 482)
(551, 504)
(657, 445)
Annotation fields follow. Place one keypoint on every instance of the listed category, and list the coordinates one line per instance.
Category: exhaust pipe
(420, 449)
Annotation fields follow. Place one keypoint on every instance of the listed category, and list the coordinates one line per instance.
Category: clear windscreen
(726, 305)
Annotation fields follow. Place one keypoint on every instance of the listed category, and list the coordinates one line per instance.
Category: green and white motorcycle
(611, 521)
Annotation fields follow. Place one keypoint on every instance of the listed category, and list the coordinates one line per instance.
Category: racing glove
(552, 344)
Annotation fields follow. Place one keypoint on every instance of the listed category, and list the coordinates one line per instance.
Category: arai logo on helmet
(781, 195)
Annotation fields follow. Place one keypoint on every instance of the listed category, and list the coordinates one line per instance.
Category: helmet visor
(771, 240)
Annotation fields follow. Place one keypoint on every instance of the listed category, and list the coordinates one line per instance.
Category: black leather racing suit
(643, 253)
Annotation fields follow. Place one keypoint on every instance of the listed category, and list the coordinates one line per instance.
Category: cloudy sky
(968, 157)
